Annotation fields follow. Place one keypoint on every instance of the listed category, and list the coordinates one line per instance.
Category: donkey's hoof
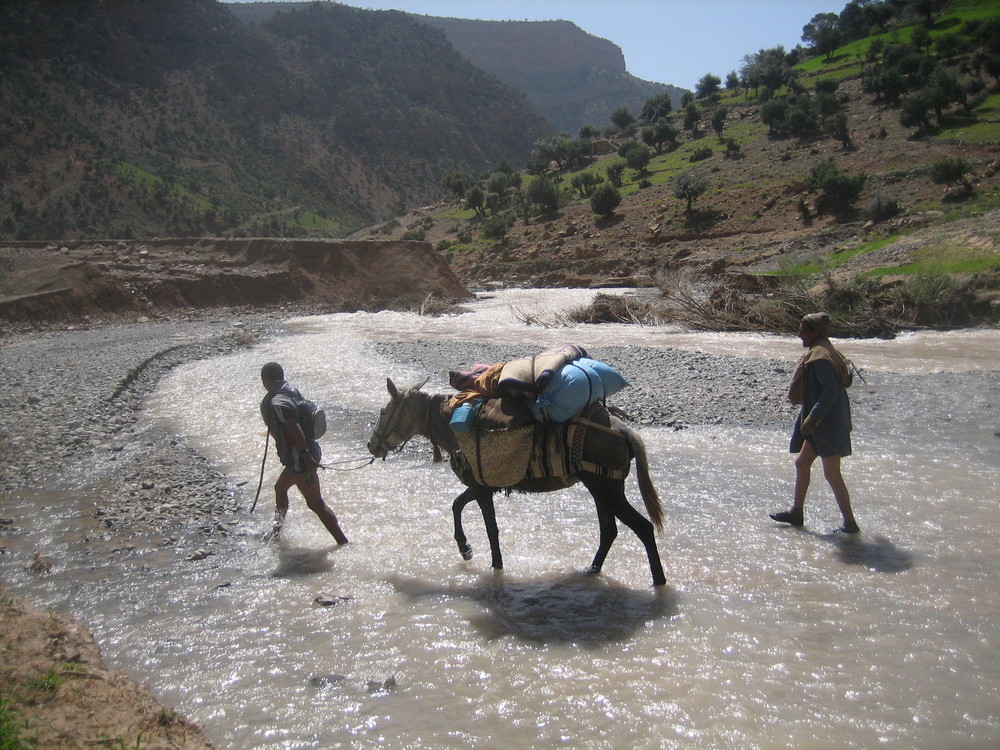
(466, 551)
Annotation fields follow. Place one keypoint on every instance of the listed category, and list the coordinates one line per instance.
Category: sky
(666, 41)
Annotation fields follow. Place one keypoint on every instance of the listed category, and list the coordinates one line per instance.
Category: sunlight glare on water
(765, 637)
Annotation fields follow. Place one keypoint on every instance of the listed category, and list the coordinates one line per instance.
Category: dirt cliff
(123, 280)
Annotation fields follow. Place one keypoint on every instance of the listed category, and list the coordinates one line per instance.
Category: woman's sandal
(787, 516)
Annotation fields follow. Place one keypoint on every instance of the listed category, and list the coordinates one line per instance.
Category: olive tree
(623, 119)
(689, 186)
(543, 193)
(656, 108)
(822, 33)
(708, 85)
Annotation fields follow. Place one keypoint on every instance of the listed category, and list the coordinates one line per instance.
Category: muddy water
(765, 637)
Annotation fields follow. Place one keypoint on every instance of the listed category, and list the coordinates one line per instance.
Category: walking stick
(267, 440)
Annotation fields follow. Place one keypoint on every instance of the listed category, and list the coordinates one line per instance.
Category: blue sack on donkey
(611, 379)
(575, 386)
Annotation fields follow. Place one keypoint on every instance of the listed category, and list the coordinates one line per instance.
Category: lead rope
(267, 441)
(334, 465)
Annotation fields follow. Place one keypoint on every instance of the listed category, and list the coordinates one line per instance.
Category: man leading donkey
(299, 455)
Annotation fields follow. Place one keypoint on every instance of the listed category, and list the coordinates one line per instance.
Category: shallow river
(764, 637)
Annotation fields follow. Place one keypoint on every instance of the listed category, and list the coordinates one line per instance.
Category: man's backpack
(310, 417)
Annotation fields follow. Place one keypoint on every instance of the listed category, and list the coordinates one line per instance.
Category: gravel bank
(71, 398)
(69, 434)
(678, 388)
(673, 387)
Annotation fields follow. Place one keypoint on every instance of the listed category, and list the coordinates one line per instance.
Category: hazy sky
(667, 41)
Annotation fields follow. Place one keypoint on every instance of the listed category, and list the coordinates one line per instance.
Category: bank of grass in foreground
(56, 693)
(13, 729)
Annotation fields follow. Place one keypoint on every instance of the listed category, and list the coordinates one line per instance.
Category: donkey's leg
(485, 498)
(609, 531)
(456, 509)
(612, 493)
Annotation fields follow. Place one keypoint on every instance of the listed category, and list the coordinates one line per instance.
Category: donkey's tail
(650, 497)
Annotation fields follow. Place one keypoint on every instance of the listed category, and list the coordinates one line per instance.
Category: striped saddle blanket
(502, 458)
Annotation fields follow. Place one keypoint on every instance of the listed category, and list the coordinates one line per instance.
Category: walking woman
(823, 426)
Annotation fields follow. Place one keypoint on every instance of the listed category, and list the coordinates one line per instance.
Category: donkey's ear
(392, 388)
(421, 384)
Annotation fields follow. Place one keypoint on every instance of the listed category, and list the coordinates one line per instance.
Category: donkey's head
(400, 419)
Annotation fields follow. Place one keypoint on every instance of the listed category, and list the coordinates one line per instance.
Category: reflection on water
(298, 561)
(764, 637)
(878, 554)
(579, 608)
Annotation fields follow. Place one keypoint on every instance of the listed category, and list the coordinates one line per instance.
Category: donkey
(610, 443)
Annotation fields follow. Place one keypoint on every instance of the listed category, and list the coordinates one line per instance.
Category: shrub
(732, 148)
(719, 120)
(605, 199)
(881, 207)
(772, 114)
(615, 171)
(636, 155)
(840, 190)
(692, 116)
(585, 182)
(827, 104)
(702, 153)
(496, 227)
(950, 171)
(837, 127)
(800, 119)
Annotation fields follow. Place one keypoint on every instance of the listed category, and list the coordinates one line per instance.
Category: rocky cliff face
(571, 77)
(537, 54)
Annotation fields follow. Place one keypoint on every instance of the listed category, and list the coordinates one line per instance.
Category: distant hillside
(170, 117)
(571, 77)
(864, 180)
